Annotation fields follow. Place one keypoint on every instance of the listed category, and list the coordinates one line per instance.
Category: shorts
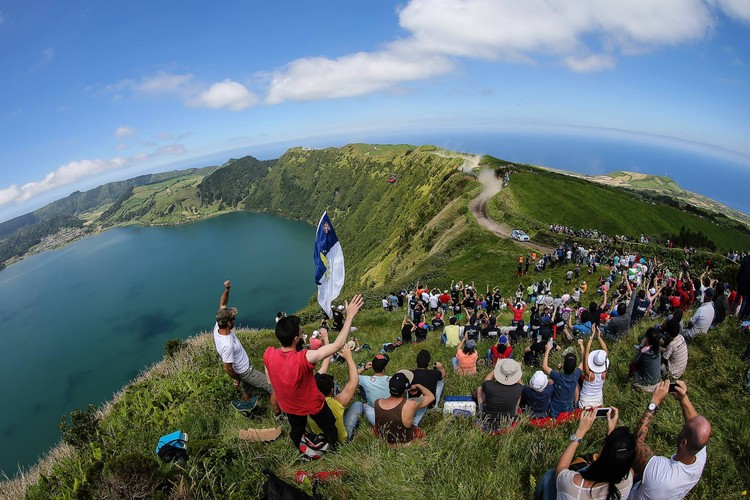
(254, 379)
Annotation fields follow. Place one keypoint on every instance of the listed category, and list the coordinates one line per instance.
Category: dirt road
(478, 206)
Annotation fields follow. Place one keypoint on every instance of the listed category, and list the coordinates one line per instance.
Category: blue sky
(98, 91)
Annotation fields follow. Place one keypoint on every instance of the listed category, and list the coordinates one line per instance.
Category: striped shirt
(677, 356)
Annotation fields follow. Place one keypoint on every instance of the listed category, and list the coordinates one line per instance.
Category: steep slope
(381, 221)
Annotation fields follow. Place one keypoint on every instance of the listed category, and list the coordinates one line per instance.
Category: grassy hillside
(393, 235)
(534, 199)
(190, 391)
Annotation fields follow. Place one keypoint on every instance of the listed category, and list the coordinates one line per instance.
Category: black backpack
(275, 488)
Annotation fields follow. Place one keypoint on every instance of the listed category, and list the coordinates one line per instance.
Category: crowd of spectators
(573, 317)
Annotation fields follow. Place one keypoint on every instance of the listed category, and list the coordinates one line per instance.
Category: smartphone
(602, 412)
(673, 387)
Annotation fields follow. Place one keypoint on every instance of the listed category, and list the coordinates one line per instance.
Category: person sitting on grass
(609, 476)
(465, 361)
(566, 382)
(674, 477)
(451, 336)
(394, 415)
(517, 309)
(581, 328)
(501, 350)
(432, 378)
(407, 326)
(646, 368)
(291, 373)
(535, 396)
(500, 394)
(595, 366)
(345, 423)
(376, 386)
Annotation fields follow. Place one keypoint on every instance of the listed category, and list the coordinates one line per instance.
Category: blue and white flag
(329, 264)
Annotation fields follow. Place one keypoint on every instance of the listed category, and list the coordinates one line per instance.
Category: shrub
(83, 428)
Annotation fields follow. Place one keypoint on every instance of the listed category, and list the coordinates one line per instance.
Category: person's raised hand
(580, 343)
(662, 388)
(612, 417)
(680, 390)
(368, 365)
(227, 284)
(585, 422)
(353, 307)
(346, 352)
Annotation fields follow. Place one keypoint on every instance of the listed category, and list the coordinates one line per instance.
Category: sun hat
(508, 371)
(538, 381)
(598, 361)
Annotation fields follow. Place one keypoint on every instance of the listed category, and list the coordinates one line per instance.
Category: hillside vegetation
(536, 198)
(393, 235)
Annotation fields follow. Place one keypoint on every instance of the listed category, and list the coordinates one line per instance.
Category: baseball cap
(225, 315)
(399, 382)
(471, 344)
(503, 339)
(341, 307)
(379, 362)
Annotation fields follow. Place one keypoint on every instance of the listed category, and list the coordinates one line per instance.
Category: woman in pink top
(465, 362)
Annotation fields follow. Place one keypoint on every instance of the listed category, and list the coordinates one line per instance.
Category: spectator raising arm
(352, 308)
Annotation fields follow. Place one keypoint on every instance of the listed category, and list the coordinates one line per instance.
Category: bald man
(670, 478)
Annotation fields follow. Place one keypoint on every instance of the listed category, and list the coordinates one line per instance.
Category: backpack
(173, 448)
(274, 488)
(312, 447)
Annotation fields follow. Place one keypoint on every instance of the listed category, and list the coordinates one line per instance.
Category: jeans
(454, 361)
(420, 413)
(369, 412)
(443, 339)
(351, 418)
(546, 488)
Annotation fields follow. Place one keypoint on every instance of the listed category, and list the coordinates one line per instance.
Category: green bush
(83, 428)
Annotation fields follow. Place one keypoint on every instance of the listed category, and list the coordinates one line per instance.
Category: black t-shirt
(470, 303)
(456, 308)
(472, 331)
(406, 332)
(338, 320)
(490, 331)
(428, 378)
(454, 295)
(500, 400)
(437, 324)
(413, 303)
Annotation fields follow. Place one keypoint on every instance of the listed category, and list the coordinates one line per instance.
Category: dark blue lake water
(78, 323)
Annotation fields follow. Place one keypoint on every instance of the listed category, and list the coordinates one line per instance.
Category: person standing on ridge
(235, 360)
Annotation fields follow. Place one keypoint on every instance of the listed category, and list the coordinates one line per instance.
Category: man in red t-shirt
(292, 375)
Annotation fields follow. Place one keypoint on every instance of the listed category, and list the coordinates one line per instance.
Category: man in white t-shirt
(235, 360)
(672, 478)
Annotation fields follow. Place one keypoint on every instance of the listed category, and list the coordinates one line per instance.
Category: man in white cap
(500, 394)
(235, 361)
(535, 396)
(595, 366)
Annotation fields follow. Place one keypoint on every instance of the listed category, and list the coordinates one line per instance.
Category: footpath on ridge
(478, 206)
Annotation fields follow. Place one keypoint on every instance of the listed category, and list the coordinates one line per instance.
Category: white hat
(508, 371)
(315, 334)
(352, 345)
(538, 381)
(598, 361)
(341, 307)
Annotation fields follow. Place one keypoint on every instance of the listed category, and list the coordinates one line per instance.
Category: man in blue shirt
(566, 382)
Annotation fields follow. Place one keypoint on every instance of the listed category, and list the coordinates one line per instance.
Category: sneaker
(245, 407)
(280, 418)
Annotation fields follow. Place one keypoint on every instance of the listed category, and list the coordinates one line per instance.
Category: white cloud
(46, 57)
(163, 83)
(737, 9)
(123, 131)
(594, 62)
(585, 35)
(226, 94)
(76, 170)
(356, 74)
